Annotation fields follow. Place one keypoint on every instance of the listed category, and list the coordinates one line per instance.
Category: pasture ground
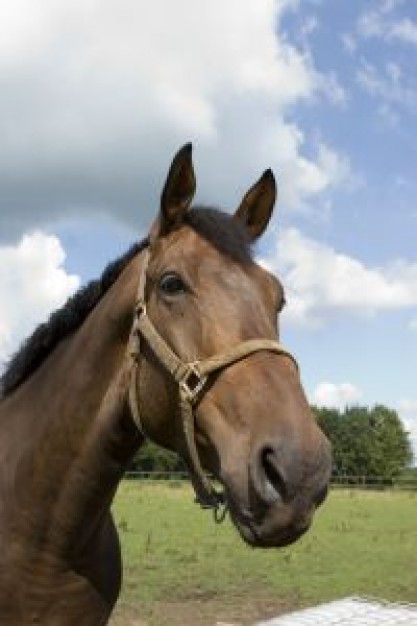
(182, 569)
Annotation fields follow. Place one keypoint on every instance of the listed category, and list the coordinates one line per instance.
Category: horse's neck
(70, 433)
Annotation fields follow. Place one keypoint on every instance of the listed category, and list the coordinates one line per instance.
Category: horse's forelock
(226, 234)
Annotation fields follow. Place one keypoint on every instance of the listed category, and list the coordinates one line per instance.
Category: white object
(350, 612)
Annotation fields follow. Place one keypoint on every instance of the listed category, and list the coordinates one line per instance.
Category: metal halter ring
(192, 384)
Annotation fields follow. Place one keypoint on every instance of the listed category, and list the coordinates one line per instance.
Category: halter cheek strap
(191, 378)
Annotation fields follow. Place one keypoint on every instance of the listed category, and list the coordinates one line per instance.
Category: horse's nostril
(274, 485)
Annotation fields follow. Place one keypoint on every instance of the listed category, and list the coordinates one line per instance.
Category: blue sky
(98, 96)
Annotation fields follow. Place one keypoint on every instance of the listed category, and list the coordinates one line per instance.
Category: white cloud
(370, 24)
(405, 30)
(320, 280)
(381, 22)
(304, 178)
(349, 43)
(95, 96)
(33, 282)
(331, 87)
(310, 25)
(389, 85)
(335, 395)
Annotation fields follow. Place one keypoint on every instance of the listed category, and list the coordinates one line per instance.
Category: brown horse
(195, 365)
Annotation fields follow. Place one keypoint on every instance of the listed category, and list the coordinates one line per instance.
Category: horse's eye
(171, 284)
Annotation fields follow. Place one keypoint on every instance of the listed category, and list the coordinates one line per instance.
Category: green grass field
(181, 568)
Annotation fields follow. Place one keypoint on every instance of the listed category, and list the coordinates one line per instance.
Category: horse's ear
(256, 207)
(179, 189)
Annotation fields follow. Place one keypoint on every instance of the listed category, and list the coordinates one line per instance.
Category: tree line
(367, 441)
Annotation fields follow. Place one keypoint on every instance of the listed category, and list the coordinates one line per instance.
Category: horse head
(213, 383)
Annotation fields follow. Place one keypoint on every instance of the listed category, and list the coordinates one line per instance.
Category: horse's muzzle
(280, 504)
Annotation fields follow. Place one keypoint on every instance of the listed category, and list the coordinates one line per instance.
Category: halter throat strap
(191, 378)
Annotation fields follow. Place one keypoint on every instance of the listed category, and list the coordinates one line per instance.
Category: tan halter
(191, 378)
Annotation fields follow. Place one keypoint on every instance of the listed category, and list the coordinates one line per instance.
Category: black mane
(226, 234)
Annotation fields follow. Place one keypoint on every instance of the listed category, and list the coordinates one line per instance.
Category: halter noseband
(191, 378)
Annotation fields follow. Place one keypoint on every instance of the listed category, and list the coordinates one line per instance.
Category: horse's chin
(257, 538)
(270, 530)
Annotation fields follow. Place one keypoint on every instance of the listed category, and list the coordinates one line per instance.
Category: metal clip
(217, 504)
(140, 308)
(192, 384)
(220, 512)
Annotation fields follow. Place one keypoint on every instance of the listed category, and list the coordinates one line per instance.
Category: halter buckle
(140, 308)
(192, 384)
